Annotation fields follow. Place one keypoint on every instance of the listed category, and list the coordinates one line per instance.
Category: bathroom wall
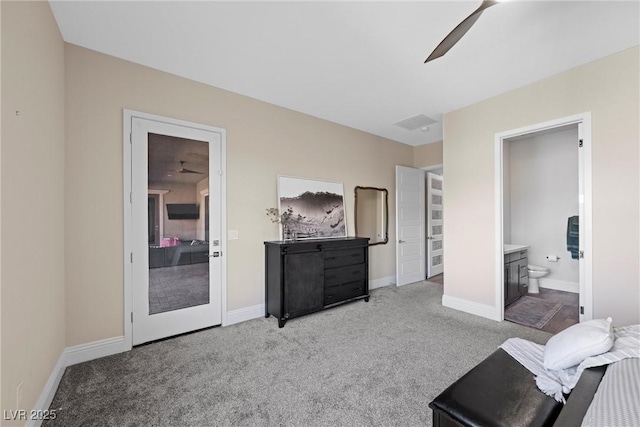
(544, 193)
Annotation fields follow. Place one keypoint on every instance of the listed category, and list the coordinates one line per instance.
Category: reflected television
(183, 211)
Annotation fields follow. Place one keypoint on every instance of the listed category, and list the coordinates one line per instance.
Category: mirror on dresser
(372, 214)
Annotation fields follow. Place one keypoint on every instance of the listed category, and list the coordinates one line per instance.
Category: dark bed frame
(500, 392)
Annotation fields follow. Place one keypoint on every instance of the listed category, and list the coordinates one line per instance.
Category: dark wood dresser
(305, 276)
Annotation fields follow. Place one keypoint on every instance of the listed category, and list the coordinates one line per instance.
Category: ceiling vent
(415, 122)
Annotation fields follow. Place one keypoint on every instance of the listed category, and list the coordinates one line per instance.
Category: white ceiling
(359, 64)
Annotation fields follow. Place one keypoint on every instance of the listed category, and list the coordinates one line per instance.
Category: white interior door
(585, 296)
(435, 250)
(177, 284)
(410, 256)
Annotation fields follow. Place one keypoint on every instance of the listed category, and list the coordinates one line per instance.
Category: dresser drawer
(343, 292)
(338, 276)
(343, 257)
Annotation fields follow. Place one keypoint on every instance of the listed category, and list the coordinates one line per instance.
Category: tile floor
(182, 286)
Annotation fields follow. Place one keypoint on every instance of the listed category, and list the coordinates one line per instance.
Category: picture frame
(315, 209)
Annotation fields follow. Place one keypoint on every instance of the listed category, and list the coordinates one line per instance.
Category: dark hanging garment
(573, 236)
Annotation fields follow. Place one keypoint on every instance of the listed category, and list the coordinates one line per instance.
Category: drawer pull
(355, 273)
(330, 277)
(331, 258)
(357, 288)
(355, 255)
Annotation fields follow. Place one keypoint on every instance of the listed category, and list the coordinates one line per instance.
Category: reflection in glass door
(206, 217)
(154, 219)
(178, 260)
(176, 273)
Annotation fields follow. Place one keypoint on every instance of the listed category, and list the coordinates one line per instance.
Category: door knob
(400, 241)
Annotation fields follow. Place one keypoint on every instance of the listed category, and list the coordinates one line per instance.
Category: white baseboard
(49, 390)
(559, 285)
(379, 283)
(71, 356)
(244, 314)
(482, 310)
(94, 350)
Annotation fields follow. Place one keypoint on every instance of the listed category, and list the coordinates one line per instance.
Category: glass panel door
(176, 270)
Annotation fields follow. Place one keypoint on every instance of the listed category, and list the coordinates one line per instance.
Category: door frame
(426, 249)
(583, 121)
(428, 220)
(128, 116)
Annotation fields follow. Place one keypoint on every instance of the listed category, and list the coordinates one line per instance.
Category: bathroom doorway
(543, 223)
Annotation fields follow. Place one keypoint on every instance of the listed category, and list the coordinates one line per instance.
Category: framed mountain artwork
(315, 209)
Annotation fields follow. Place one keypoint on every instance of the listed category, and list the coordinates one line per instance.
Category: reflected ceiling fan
(182, 169)
(454, 36)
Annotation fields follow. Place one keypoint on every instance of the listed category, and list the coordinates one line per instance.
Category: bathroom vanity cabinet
(516, 275)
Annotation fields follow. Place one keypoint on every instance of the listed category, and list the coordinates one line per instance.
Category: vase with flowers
(289, 221)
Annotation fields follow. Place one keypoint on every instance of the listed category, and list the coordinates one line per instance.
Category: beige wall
(2, 406)
(609, 89)
(427, 155)
(32, 227)
(262, 141)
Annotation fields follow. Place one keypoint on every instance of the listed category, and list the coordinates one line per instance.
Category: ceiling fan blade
(454, 36)
(183, 170)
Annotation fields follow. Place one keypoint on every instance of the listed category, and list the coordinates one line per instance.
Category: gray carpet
(362, 364)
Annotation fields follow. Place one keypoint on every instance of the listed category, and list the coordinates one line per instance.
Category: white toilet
(535, 272)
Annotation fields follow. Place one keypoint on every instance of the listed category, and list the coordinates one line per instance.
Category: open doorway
(544, 225)
(540, 197)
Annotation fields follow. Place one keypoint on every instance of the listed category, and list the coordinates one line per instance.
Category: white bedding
(557, 383)
(617, 400)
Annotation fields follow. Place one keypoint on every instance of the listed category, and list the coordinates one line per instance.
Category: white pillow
(571, 346)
